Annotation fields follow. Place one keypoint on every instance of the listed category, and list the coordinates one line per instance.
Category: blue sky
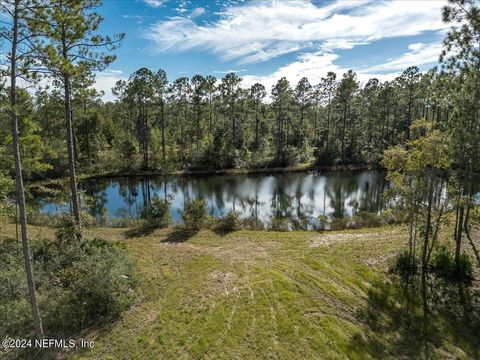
(265, 40)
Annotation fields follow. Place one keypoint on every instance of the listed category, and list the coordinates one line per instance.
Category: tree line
(203, 122)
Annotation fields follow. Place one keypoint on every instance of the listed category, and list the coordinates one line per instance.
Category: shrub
(364, 219)
(322, 222)
(279, 224)
(230, 222)
(338, 224)
(443, 264)
(66, 228)
(404, 265)
(98, 285)
(7, 186)
(252, 223)
(80, 284)
(14, 305)
(195, 214)
(88, 282)
(465, 268)
(324, 157)
(388, 216)
(157, 214)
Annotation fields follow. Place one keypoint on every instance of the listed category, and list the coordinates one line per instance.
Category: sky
(265, 40)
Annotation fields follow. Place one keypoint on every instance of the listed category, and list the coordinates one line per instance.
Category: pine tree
(71, 48)
(21, 62)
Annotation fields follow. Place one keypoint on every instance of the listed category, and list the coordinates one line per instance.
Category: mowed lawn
(259, 295)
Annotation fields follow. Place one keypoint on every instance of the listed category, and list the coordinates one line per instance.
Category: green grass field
(267, 295)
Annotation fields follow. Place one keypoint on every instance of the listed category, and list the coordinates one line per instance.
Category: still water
(298, 198)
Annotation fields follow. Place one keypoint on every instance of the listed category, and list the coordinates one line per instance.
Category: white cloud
(419, 54)
(314, 66)
(105, 81)
(197, 12)
(262, 30)
(228, 71)
(154, 3)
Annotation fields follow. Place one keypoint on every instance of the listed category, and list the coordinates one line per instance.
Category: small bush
(338, 224)
(66, 228)
(7, 186)
(89, 220)
(230, 222)
(80, 284)
(443, 264)
(322, 222)
(364, 219)
(325, 157)
(157, 214)
(465, 267)
(195, 214)
(388, 216)
(252, 223)
(14, 305)
(98, 286)
(404, 265)
(279, 224)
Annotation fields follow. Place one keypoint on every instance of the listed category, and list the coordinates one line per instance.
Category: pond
(297, 198)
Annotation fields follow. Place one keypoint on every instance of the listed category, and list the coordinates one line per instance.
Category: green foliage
(157, 214)
(405, 265)
(195, 214)
(322, 222)
(364, 219)
(14, 305)
(7, 187)
(443, 263)
(338, 223)
(194, 124)
(416, 172)
(279, 224)
(80, 284)
(230, 222)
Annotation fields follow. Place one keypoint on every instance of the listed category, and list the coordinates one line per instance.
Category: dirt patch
(373, 262)
(335, 238)
(326, 239)
(222, 281)
(240, 251)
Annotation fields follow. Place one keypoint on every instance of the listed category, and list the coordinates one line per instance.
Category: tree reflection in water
(297, 198)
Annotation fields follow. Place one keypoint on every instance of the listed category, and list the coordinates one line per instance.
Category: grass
(268, 295)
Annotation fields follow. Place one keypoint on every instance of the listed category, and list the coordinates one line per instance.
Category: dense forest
(204, 122)
(423, 128)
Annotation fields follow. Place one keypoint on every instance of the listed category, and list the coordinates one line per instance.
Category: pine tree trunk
(256, 126)
(71, 152)
(327, 140)
(70, 139)
(37, 321)
(162, 114)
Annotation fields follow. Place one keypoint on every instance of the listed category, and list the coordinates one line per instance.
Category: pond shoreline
(231, 171)
(273, 170)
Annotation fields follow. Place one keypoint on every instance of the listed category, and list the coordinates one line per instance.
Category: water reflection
(298, 197)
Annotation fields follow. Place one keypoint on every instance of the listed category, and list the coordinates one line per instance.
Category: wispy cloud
(197, 12)
(154, 3)
(419, 54)
(261, 30)
(314, 66)
(228, 71)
